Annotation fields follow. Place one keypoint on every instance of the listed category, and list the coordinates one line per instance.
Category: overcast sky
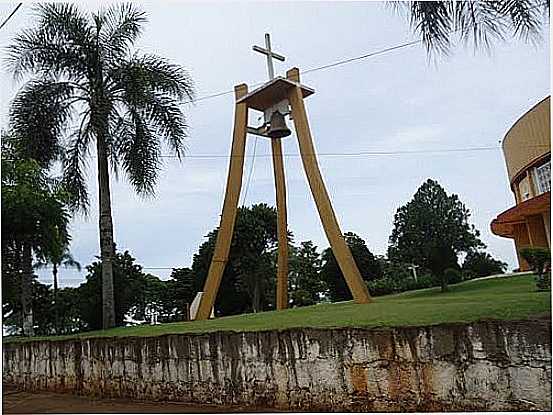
(397, 101)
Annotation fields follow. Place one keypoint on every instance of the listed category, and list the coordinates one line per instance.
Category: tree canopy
(432, 229)
(482, 264)
(305, 284)
(331, 274)
(249, 277)
(35, 221)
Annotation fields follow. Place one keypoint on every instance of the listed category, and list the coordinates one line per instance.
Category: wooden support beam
(282, 227)
(339, 247)
(230, 206)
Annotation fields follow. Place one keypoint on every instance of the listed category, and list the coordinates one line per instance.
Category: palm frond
(478, 22)
(57, 46)
(524, 17)
(122, 26)
(74, 166)
(153, 73)
(439, 22)
(139, 152)
(68, 261)
(39, 115)
(434, 23)
(152, 87)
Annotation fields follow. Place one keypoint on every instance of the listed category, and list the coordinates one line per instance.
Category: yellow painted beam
(339, 247)
(230, 206)
(282, 228)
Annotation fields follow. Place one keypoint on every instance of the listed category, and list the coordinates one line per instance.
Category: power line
(361, 57)
(351, 154)
(11, 15)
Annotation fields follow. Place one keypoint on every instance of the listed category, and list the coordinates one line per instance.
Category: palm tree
(88, 87)
(478, 21)
(35, 221)
(58, 255)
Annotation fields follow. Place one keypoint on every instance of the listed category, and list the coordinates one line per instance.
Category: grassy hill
(497, 298)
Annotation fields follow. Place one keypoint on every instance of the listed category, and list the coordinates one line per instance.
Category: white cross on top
(270, 55)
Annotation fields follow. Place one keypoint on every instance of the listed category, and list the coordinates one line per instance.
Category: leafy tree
(133, 291)
(254, 254)
(69, 318)
(439, 22)
(249, 277)
(540, 261)
(87, 81)
(304, 280)
(453, 276)
(431, 230)
(230, 299)
(34, 224)
(397, 271)
(368, 265)
(482, 264)
(180, 292)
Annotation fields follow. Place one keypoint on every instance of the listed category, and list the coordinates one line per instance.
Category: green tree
(230, 300)
(304, 280)
(134, 291)
(431, 230)
(180, 292)
(69, 318)
(248, 280)
(438, 23)
(58, 256)
(34, 224)
(87, 81)
(482, 264)
(368, 265)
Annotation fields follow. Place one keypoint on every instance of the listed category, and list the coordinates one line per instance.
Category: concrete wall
(485, 366)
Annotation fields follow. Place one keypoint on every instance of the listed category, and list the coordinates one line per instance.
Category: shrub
(381, 286)
(426, 281)
(539, 260)
(483, 264)
(468, 274)
(453, 276)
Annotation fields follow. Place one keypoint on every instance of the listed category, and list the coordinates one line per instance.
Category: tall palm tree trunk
(26, 277)
(56, 308)
(106, 236)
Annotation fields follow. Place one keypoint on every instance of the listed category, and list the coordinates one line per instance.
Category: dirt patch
(19, 402)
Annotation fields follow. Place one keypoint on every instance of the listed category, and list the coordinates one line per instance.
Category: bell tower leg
(339, 247)
(230, 206)
(282, 228)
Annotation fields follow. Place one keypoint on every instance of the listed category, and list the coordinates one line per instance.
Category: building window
(543, 175)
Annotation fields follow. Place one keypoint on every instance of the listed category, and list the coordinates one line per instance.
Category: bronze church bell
(278, 127)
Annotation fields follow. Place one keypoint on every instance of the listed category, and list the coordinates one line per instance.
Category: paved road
(16, 402)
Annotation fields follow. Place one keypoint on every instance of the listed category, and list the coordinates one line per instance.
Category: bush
(453, 276)
(468, 274)
(426, 281)
(380, 287)
(483, 264)
(539, 260)
(384, 286)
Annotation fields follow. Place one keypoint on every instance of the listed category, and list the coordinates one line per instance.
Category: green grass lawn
(499, 298)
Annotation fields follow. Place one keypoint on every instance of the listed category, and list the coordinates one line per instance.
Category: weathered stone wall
(481, 366)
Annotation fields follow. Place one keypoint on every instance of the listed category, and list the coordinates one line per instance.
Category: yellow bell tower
(275, 99)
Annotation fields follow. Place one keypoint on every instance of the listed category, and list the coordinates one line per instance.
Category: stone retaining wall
(481, 366)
